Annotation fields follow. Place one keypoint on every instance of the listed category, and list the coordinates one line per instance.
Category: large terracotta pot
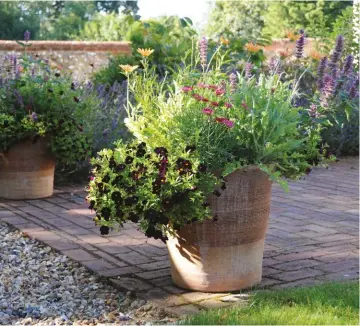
(27, 171)
(225, 255)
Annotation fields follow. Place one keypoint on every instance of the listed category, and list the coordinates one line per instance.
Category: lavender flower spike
(321, 72)
(300, 43)
(336, 54)
(27, 36)
(233, 80)
(203, 51)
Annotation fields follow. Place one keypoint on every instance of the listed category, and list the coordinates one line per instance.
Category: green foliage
(59, 20)
(325, 304)
(253, 19)
(343, 25)
(41, 103)
(170, 37)
(14, 22)
(110, 27)
(112, 73)
(313, 16)
(240, 18)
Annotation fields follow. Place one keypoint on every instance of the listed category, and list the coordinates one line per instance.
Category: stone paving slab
(313, 237)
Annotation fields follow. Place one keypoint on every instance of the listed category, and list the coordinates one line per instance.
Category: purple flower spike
(321, 72)
(18, 97)
(27, 36)
(34, 116)
(233, 82)
(300, 43)
(336, 55)
(354, 89)
(348, 65)
(203, 51)
(313, 111)
(248, 69)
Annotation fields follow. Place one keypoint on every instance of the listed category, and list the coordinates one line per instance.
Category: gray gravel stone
(39, 286)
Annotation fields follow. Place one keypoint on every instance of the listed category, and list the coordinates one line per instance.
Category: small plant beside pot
(38, 126)
(207, 147)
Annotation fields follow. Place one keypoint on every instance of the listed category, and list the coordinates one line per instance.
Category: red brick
(73, 229)
(110, 258)
(113, 248)
(297, 264)
(79, 255)
(44, 235)
(297, 275)
(155, 265)
(149, 250)
(61, 244)
(14, 220)
(154, 274)
(126, 241)
(92, 238)
(98, 265)
(134, 258)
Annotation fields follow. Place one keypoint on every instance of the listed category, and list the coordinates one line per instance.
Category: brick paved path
(312, 237)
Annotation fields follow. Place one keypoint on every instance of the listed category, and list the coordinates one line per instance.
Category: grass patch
(326, 304)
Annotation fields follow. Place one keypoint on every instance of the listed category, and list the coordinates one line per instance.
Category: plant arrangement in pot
(198, 174)
(38, 126)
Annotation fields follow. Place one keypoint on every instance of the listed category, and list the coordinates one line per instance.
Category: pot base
(216, 269)
(27, 171)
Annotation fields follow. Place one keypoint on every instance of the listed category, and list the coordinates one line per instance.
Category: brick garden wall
(80, 58)
(84, 58)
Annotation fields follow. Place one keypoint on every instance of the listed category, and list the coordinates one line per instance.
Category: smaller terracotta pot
(226, 254)
(27, 171)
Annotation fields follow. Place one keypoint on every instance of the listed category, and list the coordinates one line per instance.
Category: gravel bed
(39, 286)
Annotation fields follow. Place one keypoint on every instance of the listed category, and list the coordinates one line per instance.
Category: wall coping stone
(81, 46)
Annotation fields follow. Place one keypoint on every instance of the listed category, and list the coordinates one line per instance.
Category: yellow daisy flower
(145, 52)
(315, 55)
(224, 41)
(127, 68)
(252, 47)
(292, 36)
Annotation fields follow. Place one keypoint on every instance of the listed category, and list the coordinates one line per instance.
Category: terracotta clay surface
(225, 254)
(27, 171)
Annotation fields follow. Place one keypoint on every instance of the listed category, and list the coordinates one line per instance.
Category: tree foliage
(251, 19)
(59, 20)
(243, 18)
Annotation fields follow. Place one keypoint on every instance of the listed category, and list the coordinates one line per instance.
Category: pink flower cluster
(228, 123)
(209, 110)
